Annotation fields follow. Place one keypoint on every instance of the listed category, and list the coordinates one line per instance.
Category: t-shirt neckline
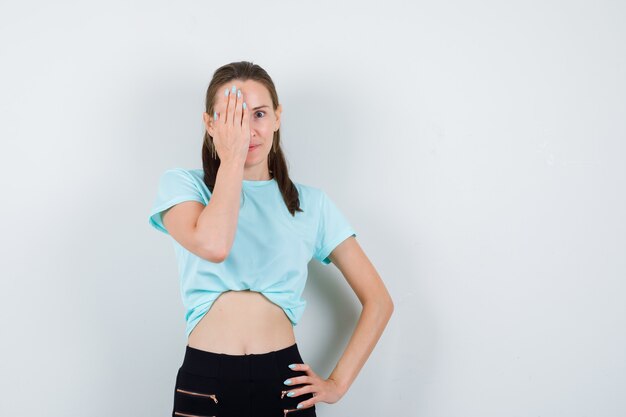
(258, 183)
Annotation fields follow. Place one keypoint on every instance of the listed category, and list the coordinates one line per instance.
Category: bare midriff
(242, 322)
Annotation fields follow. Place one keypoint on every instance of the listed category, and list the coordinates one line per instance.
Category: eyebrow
(260, 107)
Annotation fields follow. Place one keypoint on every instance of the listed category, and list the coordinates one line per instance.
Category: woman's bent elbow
(214, 255)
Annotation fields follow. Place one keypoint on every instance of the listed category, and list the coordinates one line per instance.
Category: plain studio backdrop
(476, 147)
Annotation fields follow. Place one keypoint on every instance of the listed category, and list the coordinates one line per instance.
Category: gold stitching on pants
(198, 394)
(287, 410)
(290, 410)
(188, 415)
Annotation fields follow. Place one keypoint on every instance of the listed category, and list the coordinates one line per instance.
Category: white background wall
(477, 147)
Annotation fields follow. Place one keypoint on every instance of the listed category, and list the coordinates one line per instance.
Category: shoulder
(176, 172)
(196, 174)
(309, 193)
(179, 176)
(184, 172)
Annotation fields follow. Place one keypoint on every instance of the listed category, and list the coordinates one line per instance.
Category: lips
(253, 147)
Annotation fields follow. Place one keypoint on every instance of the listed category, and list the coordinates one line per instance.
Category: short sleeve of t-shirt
(175, 186)
(333, 229)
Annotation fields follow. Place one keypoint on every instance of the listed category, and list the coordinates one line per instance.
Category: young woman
(243, 234)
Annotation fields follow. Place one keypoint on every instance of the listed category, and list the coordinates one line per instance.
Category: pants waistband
(248, 366)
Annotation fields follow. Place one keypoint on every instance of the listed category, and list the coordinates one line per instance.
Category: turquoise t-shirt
(271, 248)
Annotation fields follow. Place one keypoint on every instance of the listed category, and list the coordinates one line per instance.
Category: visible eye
(260, 112)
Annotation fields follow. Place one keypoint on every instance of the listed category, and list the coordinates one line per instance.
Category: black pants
(210, 384)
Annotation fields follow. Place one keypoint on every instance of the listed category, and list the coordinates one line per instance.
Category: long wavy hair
(276, 162)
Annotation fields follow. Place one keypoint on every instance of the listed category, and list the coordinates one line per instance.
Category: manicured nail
(232, 90)
(287, 381)
(226, 92)
(214, 115)
(293, 365)
(238, 93)
(244, 105)
(290, 394)
(299, 406)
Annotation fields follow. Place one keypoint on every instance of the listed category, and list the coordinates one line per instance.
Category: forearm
(373, 319)
(218, 221)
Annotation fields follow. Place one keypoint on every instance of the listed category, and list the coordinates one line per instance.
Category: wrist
(341, 387)
(232, 166)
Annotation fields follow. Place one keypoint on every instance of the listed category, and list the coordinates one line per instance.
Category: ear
(278, 111)
(208, 123)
